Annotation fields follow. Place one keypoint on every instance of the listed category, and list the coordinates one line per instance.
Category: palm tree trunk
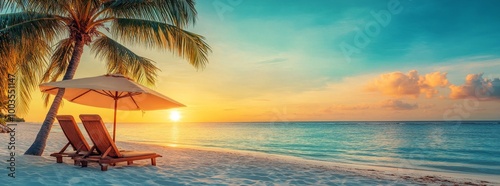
(41, 139)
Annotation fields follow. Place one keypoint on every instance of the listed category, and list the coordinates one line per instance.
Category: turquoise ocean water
(461, 147)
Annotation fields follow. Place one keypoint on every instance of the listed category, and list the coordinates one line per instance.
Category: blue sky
(424, 32)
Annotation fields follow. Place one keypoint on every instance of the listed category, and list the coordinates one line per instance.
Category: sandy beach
(202, 166)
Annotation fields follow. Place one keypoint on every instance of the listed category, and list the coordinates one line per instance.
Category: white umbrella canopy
(111, 91)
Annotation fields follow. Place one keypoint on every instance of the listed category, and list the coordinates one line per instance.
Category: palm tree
(69, 25)
(19, 58)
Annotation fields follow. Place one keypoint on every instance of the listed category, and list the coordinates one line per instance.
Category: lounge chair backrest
(99, 134)
(72, 132)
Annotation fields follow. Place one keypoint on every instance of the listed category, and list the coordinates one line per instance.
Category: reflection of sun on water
(175, 115)
(174, 135)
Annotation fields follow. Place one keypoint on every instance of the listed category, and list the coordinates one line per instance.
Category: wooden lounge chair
(106, 147)
(75, 139)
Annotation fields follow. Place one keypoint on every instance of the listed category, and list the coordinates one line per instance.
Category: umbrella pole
(114, 123)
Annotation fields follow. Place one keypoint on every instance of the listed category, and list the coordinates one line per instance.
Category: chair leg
(104, 167)
(130, 162)
(84, 163)
(59, 159)
(75, 162)
(153, 161)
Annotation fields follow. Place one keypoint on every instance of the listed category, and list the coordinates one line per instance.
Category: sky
(300, 60)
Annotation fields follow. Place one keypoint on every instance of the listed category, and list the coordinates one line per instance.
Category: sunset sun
(175, 115)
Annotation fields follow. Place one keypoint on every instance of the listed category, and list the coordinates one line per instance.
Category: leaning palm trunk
(41, 138)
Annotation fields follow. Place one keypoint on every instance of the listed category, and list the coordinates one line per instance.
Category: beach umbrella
(111, 91)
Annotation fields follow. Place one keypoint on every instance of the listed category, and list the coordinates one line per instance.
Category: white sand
(201, 166)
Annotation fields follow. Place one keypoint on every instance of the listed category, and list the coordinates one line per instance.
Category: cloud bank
(412, 84)
(398, 105)
(476, 86)
(386, 104)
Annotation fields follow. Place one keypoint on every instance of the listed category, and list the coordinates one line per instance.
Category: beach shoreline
(183, 165)
(372, 171)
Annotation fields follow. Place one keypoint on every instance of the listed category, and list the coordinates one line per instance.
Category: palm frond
(163, 36)
(83, 10)
(30, 67)
(120, 59)
(54, 7)
(24, 56)
(30, 26)
(59, 60)
(11, 5)
(6, 67)
(7, 54)
(178, 12)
